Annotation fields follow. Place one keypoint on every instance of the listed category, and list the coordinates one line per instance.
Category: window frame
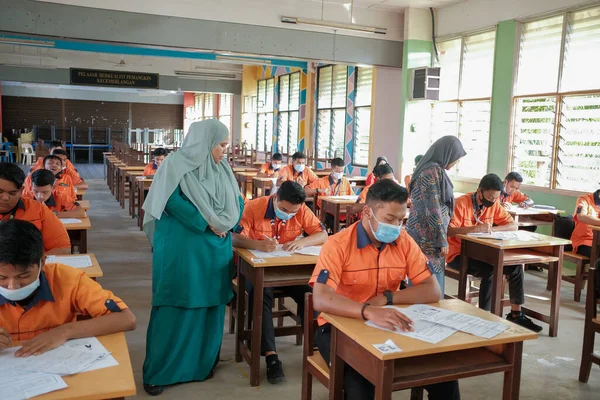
(331, 109)
(288, 112)
(267, 113)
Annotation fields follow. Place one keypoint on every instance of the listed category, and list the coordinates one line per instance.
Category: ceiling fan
(124, 63)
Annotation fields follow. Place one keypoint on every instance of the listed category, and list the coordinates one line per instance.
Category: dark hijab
(442, 153)
(380, 159)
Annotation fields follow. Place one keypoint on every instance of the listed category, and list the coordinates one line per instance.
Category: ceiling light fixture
(205, 75)
(29, 66)
(244, 61)
(27, 42)
(334, 25)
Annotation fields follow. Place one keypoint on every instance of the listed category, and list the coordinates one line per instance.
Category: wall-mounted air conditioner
(425, 84)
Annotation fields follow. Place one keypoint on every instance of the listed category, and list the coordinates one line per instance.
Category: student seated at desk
(587, 212)
(44, 191)
(335, 184)
(40, 302)
(69, 169)
(158, 156)
(13, 206)
(482, 212)
(298, 172)
(360, 270)
(271, 169)
(381, 172)
(512, 194)
(267, 222)
(39, 164)
(63, 183)
(371, 177)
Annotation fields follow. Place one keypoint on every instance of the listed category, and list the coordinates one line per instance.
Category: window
(362, 116)
(225, 108)
(556, 131)
(467, 66)
(264, 119)
(289, 113)
(331, 111)
(203, 106)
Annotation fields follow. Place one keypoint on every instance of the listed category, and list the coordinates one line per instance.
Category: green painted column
(504, 61)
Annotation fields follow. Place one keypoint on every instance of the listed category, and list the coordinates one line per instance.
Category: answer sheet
(279, 252)
(93, 345)
(21, 385)
(310, 251)
(516, 235)
(68, 221)
(426, 331)
(83, 261)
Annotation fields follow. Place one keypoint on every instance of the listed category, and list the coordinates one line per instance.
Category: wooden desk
(143, 185)
(595, 254)
(108, 383)
(419, 363)
(533, 216)
(112, 173)
(94, 271)
(80, 194)
(336, 206)
(85, 204)
(122, 180)
(131, 177)
(359, 181)
(500, 253)
(243, 169)
(263, 184)
(245, 178)
(281, 271)
(78, 234)
(105, 156)
(322, 172)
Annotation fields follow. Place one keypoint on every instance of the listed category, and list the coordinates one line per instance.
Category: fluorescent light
(244, 61)
(334, 25)
(204, 75)
(27, 42)
(29, 66)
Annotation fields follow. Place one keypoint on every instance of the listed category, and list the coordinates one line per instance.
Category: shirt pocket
(355, 277)
(395, 275)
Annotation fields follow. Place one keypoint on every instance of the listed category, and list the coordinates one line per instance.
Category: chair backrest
(563, 226)
(354, 213)
(27, 148)
(310, 326)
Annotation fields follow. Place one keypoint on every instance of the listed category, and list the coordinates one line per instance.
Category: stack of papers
(23, 378)
(279, 252)
(433, 324)
(516, 235)
(67, 221)
(83, 261)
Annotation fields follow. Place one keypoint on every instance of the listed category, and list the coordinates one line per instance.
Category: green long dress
(191, 285)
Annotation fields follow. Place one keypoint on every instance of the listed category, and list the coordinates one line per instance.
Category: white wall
(387, 127)
(477, 14)
(258, 12)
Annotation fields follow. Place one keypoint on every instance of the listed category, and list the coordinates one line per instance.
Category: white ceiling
(396, 5)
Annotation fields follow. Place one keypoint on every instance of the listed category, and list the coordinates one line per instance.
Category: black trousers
(584, 251)
(356, 387)
(267, 341)
(485, 271)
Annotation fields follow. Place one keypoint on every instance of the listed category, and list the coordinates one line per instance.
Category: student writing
(512, 194)
(271, 169)
(158, 156)
(587, 213)
(44, 191)
(383, 171)
(63, 182)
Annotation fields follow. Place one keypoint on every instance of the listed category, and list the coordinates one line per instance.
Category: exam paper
(21, 385)
(279, 252)
(310, 250)
(93, 345)
(63, 360)
(349, 198)
(426, 331)
(67, 221)
(83, 261)
(516, 235)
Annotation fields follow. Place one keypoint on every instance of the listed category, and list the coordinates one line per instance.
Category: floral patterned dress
(429, 217)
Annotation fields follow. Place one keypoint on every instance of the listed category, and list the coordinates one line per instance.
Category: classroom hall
(211, 148)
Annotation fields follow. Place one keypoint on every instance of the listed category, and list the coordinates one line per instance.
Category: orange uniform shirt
(288, 173)
(73, 174)
(370, 179)
(53, 231)
(64, 185)
(588, 204)
(516, 197)
(340, 188)
(57, 202)
(64, 293)
(259, 219)
(356, 269)
(465, 212)
(150, 169)
(362, 197)
(266, 168)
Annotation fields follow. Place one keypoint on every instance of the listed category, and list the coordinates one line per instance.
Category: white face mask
(275, 166)
(24, 292)
(338, 175)
(299, 167)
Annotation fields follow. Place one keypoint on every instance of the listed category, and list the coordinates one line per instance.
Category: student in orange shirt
(44, 191)
(587, 212)
(271, 169)
(407, 178)
(481, 212)
(69, 169)
(360, 270)
(39, 164)
(335, 184)
(40, 302)
(383, 171)
(512, 194)
(63, 183)
(158, 157)
(267, 222)
(13, 206)
(298, 172)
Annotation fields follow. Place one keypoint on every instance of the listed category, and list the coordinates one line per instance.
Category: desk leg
(336, 369)
(336, 219)
(83, 242)
(462, 273)
(241, 311)
(513, 353)
(385, 376)
(555, 288)
(497, 294)
(595, 249)
(257, 317)
(122, 191)
(132, 198)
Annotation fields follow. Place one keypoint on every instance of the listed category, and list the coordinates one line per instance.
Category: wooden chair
(313, 364)
(472, 292)
(354, 213)
(591, 327)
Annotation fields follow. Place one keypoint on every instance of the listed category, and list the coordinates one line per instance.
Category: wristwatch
(389, 296)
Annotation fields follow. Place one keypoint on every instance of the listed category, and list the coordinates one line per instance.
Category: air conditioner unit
(425, 84)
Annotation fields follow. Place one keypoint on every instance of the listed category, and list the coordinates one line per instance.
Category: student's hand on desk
(388, 318)
(5, 339)
(45, 342)
(507, 205)
(378, 301)
(218, 233)
(268, 246)
(524, 205)
(293, 246)
(484, 227)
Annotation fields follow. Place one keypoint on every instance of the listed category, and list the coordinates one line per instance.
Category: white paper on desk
(63, 360)
(83, 261)
(351, 198)
(516, 235)
(67, 221)
(93, 345)
(462, 322)
(310, 251)
(426, 331)
(279, 252)
(21, 385)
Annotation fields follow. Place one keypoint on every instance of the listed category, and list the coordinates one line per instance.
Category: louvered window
(331, 111)
(362, 116)
(225, 108)
(264, 125)
(289, 113)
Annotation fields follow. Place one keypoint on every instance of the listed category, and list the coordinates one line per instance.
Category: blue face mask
(299, 167)
(385, 233)
(282, 215)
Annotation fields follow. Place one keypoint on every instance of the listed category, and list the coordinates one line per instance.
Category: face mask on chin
(24, 292)
(485, 202)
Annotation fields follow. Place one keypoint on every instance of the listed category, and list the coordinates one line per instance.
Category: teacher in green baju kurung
(194, 202)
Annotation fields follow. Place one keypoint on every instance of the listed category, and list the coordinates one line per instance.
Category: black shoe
(153, 390)
(274, 370)
(520, 319)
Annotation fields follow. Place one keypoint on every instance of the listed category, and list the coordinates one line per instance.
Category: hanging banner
(123, 79)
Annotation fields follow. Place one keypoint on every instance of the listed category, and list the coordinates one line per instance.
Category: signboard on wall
(123, 79)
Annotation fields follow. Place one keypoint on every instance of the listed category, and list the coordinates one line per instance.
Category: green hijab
(210, 186)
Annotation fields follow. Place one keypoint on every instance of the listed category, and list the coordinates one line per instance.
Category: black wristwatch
(389, 295)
